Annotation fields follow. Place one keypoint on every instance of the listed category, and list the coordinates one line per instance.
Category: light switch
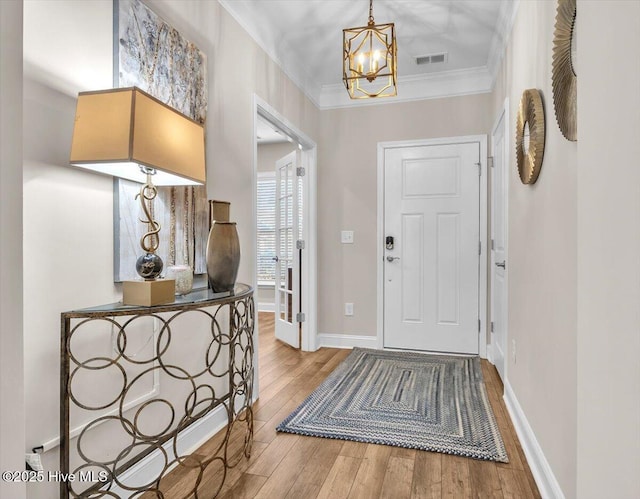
(346, 237)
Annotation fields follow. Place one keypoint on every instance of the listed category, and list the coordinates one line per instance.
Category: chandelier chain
(371, 21)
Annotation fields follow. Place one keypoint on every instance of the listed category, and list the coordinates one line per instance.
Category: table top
(197, 298)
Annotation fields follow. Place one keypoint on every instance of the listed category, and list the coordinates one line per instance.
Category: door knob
(275, 258)
(392, 258)
(502, 264)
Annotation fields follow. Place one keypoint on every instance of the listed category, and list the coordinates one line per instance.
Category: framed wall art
(152, 55)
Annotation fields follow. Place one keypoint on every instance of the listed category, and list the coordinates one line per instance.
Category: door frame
(309, 274)
(504, 116)
(481, 140)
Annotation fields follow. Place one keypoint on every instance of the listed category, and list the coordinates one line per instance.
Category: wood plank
(315, 472)
(268, 432)
(368, 481)
(213, 477)
(404, 453)
(514, 484)
(246, 487)
(485, 483)
(398, 478)
(340, 478)
(332, 363)
(353, 449)
(456, 482)
(427, 476)
(286, 473)
(267, 462)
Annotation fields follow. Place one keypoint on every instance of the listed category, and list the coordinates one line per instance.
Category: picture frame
(152, 55)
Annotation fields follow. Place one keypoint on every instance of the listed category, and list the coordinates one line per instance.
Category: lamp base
(148, 293)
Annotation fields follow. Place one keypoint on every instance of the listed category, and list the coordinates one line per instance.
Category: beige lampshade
(118, 130)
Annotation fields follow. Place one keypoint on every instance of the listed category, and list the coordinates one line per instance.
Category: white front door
(499, 198)
(287, 281)
(432, 242)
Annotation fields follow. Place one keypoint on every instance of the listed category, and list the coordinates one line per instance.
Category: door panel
(499, 249)
(287, 285)
(412, 259)
(431, 276)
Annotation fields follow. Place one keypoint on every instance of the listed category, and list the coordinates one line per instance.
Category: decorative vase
(183, 275)
(223, 256)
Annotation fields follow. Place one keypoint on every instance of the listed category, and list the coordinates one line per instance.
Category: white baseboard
(542, 473)
(266, 307)
(189, 440)
(332, 340)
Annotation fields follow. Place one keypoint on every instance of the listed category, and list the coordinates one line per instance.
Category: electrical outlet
(513, 351)
(348, 309)
(346, 237)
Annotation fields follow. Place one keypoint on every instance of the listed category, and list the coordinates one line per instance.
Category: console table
(139, 384)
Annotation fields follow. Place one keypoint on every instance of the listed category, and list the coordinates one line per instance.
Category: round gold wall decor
(530, 136)
(564, 76)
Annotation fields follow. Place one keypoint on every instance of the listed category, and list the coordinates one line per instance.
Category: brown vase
(223, 256)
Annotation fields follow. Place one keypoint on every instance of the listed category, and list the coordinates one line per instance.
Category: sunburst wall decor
(530, 130)
(564, 77)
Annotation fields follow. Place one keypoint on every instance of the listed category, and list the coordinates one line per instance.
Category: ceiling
(266, 133)
(305, 38)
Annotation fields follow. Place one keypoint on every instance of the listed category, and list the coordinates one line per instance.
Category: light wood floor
(283, 465)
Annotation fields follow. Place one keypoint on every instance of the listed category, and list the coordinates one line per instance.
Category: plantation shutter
(266, 226)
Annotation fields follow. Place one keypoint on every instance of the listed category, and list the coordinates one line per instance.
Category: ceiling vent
(432, 59)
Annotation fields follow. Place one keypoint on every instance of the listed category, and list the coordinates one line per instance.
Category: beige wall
(347, 191)
(542, 254)
(268, 154)
(608, 422)
(68, 224)
(12, 427)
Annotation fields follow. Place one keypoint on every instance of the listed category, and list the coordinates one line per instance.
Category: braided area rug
(407, 399)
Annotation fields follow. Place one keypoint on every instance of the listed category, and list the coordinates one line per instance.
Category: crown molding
(410, 88)
(416, 87)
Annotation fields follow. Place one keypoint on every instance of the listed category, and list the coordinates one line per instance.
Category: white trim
(188, 441)
(490, 356)
(416, 87)
(503, 115)
(331, 340)
(482, 291)
(309, 268)
(540, 469)
(266, 307)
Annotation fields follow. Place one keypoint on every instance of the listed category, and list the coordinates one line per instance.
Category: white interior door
(287, 281)
(499, 198)
(431, 269)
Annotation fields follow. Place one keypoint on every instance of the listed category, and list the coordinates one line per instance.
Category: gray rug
(429, 402)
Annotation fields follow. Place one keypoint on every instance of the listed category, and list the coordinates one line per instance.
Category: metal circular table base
(161, 370)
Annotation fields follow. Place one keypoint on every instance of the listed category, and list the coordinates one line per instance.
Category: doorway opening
(285, 226)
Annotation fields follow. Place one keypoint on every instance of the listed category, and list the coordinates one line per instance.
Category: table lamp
(127, 133)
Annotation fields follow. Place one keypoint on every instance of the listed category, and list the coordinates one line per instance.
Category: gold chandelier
(369, 59)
